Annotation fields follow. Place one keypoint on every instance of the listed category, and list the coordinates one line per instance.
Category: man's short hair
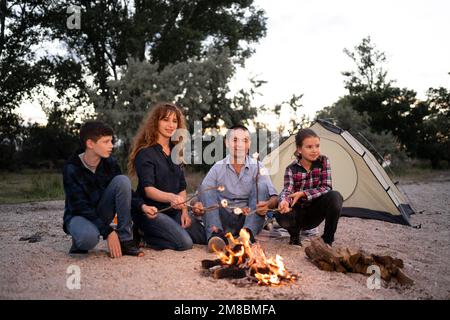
(94, 130)
(236, 127)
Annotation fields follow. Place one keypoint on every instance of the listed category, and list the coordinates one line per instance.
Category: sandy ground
(39, 270)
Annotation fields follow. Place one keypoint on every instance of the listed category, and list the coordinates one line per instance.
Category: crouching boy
(95, 191)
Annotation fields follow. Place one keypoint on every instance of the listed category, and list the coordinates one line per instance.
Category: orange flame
(240, 252)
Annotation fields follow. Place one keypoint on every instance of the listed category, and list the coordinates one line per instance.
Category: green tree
(199, 86)
(48, 146)
(20, 69)
(433, 140)
(163, 32)
(295, 121)
(381, 144)
(26, 70)
(420, 126)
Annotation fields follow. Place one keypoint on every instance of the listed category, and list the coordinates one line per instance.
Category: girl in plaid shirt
(307, 197)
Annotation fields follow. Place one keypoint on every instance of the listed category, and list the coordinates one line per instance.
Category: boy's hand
(198, 209)
(185, 220)
(296, 196)
(284, 207)
(177, 202)
(262, 207)
(114, 245)
(150, 211)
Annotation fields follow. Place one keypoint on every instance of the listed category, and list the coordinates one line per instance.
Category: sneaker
(138, 237)
(295, 240)
(75, 250)
(309, 233)
(327, 241)
(129, 248)
(268, 224)
(217, 242)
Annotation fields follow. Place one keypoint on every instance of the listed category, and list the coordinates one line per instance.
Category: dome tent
(367, 190)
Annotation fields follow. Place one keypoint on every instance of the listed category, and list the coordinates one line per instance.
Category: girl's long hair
(147, 134)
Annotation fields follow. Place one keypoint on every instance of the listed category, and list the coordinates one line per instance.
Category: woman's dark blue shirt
(155, 169)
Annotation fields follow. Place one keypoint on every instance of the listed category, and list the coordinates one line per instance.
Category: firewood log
(229, 272)
(357, 261)
(403, 278)
(206, 264)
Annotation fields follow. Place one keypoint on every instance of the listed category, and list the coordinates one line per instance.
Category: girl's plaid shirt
(314, 183)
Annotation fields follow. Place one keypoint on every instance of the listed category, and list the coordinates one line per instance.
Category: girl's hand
(283, 207)
(296, 196)
(150, 211)
(177, 202)
(185, 220)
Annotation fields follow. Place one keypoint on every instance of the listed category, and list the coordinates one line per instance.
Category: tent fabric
(367, 190)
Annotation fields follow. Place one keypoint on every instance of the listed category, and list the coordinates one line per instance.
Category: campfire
(241, 259)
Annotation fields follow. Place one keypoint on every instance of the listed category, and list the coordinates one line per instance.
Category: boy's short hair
(94, 130)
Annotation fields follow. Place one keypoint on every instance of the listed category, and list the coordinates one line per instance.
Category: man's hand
(150, 211)
(198, 209)
(177, 202)
(283, 207)
(185, 220)
(262, 207)
(296, 196)
(114, 245)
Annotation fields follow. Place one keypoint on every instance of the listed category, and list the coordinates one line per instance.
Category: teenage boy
(95, 191)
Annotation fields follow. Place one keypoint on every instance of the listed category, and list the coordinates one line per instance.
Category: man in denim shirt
(238, 206)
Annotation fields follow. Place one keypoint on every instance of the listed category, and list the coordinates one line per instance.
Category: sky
(303, 50)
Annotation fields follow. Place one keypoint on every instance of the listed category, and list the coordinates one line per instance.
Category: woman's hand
(198, 209)
(177, 202)
(150, 211)
(283, 207)
(185, 220)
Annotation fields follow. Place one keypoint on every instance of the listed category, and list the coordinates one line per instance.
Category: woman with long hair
(161, 182)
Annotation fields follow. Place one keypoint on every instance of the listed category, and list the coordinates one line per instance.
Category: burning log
(208, 264)
(233, 272)
(240, 259)
(357, 261)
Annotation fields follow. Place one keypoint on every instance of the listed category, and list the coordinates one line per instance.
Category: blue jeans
(115, 199)
(229, 222)
(165, 231)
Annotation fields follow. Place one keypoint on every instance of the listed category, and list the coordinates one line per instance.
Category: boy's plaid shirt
(314, 183)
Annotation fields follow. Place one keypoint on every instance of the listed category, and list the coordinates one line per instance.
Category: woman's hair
(300, 137)
(147, 134)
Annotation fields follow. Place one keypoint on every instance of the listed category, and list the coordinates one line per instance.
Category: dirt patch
(38, 270)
